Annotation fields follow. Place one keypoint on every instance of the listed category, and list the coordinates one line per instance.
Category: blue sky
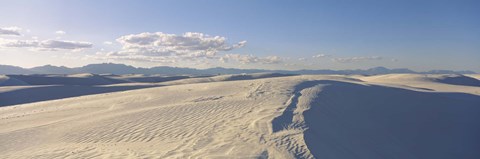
(420, 35)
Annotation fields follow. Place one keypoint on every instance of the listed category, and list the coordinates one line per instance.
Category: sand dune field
(243, 116)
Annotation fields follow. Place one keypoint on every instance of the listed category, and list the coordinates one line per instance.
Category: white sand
(477, 76)
(389, 116)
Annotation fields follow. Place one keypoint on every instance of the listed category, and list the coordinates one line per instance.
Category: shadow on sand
(44, 93)
(349, 120)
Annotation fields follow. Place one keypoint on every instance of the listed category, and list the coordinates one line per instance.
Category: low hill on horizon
(112, 68)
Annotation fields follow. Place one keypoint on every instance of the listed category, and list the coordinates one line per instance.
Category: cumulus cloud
(356, 59)
(50, 45)
(162, 47)
(249, 59)
(107, 42)
(189, 44)
(60, 32)
(10, 31)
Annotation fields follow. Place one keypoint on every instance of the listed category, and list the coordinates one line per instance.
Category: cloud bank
(159, 47)
(249, 59)
(10, 31)
(39, 45)
(356, 59)
(50, 45)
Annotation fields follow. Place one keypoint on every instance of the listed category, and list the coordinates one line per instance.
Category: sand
(254, 116)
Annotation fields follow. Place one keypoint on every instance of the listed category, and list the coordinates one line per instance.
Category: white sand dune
(85, 79)
(284, 117)
(477, 76)
(233, 77)
(20, 89)
(442, 83)
(51, 87)
(464, 80)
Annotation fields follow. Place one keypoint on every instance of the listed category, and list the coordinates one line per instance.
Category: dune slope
(52, 87)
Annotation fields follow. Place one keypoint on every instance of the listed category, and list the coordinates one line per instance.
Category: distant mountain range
(111, 68)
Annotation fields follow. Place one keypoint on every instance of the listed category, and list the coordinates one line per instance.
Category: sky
(295, 34)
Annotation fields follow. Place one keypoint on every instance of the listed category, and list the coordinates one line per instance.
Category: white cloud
(45, 45)
(10, 31)
(320, 56)
(249, 59)
(40, 45)
(356, 59)
(62, 44)
(107, 42)
(60, 32)
(271, 60)
(18, 43)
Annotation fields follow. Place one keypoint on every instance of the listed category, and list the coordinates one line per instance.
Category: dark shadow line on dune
(461, 81)
(250, 77)
(44, 93)
(65, 80)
